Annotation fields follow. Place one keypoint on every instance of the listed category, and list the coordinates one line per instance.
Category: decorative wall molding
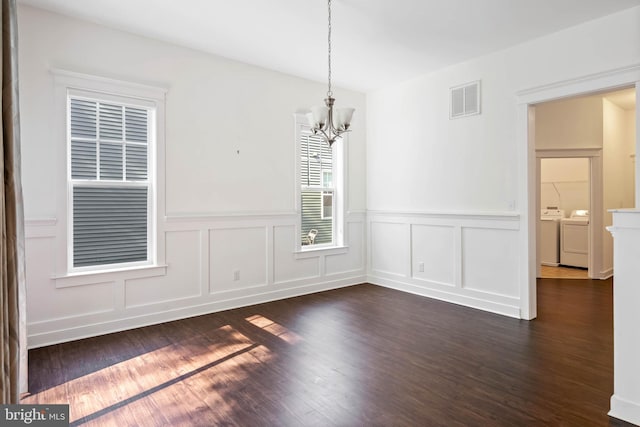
(62, 330)
(229, 216)
(193, 280)
(608, 79)
(78, 79)
(122, 303)
(479, 215)
(509, 309)
(468, 258)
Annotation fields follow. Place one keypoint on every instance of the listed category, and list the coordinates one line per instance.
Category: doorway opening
(585, 149)
(563, 237)
(529, 100)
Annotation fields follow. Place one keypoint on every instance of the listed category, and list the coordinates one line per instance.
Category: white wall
(224, 210)
(617, 181)
(629, 164)
(564, 183)
(569, 123)
(468, 166)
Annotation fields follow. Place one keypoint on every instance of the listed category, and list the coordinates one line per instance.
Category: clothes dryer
(574, 239)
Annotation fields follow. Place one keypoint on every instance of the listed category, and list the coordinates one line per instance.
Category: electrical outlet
(421, 267)
(236, 275)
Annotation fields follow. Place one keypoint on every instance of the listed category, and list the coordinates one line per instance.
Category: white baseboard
(455, 298)
(57, 336)
(606, 274)
(625, 410)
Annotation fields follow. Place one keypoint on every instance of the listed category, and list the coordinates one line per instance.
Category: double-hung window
(110, 176)
(321, 183)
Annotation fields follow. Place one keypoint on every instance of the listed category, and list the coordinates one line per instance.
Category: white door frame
(526, 182)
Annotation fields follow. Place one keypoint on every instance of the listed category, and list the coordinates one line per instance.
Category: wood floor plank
(563, 272)
(363, 355)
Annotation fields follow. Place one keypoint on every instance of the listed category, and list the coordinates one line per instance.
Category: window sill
(95, 277)
(316, 252)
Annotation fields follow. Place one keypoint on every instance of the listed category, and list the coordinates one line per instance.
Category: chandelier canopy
(325, 120)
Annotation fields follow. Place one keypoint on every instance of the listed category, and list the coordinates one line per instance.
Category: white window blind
(110, 182)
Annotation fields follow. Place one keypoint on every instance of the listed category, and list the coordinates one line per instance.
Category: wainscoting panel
(490, 261)
(237, 258)
(286, 268)
(220, 262)
(206, 264)
(182, 279)
(434, 249)
(389, 248)
(464, 258)
(353, 260)
(52, 303)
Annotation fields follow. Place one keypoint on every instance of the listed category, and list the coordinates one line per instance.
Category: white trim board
(505, 309)
(624, 410)
(61, 333)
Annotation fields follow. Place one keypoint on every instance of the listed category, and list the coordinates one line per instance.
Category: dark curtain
(12, 272)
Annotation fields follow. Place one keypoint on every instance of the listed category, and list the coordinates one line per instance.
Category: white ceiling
(375, 42)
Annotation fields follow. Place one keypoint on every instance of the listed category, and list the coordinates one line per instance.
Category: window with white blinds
(110, 182)
(316, 190)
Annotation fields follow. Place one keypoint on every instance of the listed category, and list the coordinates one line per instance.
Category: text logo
(34, 415)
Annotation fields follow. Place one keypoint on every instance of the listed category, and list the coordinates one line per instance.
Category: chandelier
(325, 120)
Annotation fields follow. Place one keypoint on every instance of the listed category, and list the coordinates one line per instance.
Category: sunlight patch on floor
(274, 328)
(221, 359)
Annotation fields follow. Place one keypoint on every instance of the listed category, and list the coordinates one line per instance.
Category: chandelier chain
(329, 92)
(325, 121)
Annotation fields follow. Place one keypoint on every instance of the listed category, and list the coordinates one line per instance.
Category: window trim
(68, 84)
(340, 186)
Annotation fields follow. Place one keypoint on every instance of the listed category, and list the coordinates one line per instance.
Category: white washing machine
(574, 239)
(550, 236)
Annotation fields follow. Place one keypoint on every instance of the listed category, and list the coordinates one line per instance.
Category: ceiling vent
(465, 100)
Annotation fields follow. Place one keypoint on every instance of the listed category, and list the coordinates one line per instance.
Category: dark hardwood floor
(358, 356)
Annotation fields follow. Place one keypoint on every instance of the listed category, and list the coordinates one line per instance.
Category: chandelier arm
(327, 137)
